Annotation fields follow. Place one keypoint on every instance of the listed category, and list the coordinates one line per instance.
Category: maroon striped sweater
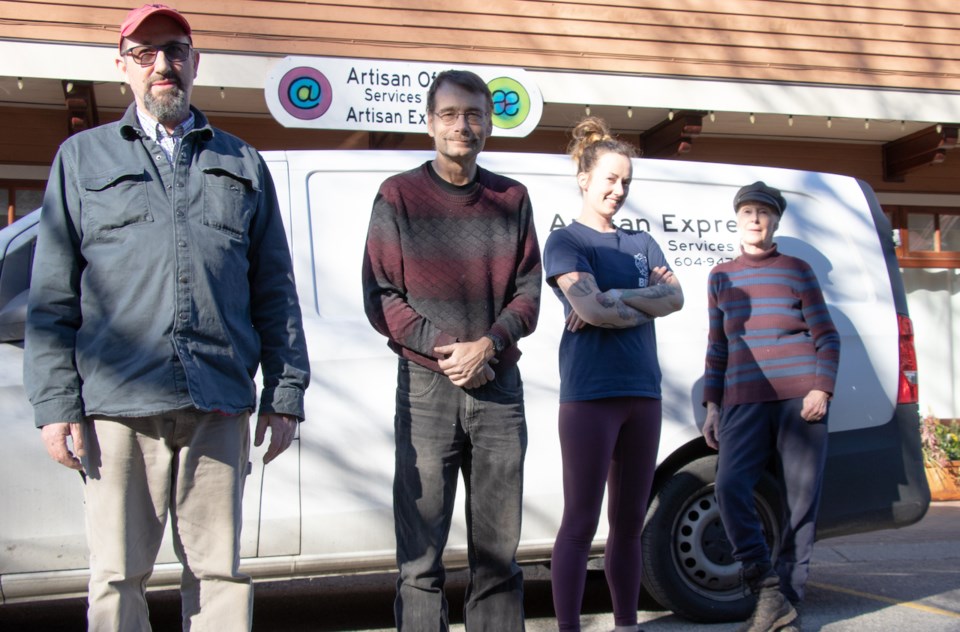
(771, 336)
(445, 263)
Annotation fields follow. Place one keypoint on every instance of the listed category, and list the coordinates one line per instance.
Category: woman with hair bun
(612, 283)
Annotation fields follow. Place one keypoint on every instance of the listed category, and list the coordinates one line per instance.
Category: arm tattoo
(606, 300)
(582, 287)
(654, 291)
(629, 316)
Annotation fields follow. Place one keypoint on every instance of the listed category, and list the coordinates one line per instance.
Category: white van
(324, 507)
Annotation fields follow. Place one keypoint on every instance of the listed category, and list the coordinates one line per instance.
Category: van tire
(688, 566)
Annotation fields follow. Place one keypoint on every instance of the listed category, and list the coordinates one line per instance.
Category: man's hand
(814, 405)
(711, 427)
(467, 363)
(54, 437)
(486, 375)
(282, 429)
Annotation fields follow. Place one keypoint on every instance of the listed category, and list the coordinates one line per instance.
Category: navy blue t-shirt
(596, 362)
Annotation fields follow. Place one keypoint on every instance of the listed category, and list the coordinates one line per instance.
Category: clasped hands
(467, 364)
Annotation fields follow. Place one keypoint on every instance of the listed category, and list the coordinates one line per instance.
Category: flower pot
(944, 480)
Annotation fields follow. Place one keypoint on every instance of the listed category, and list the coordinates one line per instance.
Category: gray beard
(169, 109)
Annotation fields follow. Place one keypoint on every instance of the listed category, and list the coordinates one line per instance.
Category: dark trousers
(442, 431)
(750, 436)
(608, 442)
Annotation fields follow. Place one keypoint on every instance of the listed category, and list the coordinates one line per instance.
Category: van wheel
(688, 566)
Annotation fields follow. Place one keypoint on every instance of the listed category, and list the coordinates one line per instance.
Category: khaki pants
(187, 463)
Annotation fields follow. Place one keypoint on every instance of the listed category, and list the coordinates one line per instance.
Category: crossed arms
(616, 308)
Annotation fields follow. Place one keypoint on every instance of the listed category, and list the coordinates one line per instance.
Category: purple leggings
(612, 441)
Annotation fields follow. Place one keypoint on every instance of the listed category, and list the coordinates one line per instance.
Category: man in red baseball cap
(137, 16)
(162, 282)
(161, 83)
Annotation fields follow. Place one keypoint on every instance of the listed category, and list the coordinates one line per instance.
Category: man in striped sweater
(771, 366)
(452, 276)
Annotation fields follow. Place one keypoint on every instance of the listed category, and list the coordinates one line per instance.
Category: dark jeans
(750, 435)
(441, 430)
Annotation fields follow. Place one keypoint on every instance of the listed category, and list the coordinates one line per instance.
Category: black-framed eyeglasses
(147, 55)
(473, 117)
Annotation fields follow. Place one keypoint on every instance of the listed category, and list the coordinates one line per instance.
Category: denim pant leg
(493, 474)
(746, 446)
(429, 445)
(802, 448)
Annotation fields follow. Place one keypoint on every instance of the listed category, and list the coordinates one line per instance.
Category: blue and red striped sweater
(771, 336)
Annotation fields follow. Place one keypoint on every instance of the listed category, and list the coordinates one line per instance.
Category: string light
(713, 116)
(866, 123)
(629, 112)
(829, 122)
(753, 118)
(670, 115)
(903, 125)
(123, 88)
(69, 86)
(587, 110)
(223, 94)
(19, 83)
(790, 120)
(939, 128)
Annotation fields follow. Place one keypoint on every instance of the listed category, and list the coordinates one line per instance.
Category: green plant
(941, 440)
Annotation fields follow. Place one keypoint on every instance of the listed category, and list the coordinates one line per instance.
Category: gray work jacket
(159, 287)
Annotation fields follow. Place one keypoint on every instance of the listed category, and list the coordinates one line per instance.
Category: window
(929, 236)
(19, 199)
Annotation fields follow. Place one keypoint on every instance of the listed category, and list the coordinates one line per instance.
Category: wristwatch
(497, 343)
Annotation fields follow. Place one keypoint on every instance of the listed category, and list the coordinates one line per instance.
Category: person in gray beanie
(771, 367)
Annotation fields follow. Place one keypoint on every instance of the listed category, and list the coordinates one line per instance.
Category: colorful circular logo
(305, 93)
(511, 102)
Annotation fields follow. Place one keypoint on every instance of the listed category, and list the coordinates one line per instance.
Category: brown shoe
(773, 611)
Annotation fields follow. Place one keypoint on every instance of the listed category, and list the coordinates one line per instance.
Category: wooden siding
(31, 136)
(882, 43)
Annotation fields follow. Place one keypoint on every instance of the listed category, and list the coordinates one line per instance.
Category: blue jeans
(750, 436)
(441, 430)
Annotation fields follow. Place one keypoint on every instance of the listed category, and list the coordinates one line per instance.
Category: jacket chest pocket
(229, 201)
(114, 201)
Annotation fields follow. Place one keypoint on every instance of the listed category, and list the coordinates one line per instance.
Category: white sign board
(387, 96)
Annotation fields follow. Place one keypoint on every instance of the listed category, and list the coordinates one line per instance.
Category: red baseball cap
(136, 17)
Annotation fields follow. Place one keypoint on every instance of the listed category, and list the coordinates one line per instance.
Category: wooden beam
(926, 147)
(81, 103)
(672, 138)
